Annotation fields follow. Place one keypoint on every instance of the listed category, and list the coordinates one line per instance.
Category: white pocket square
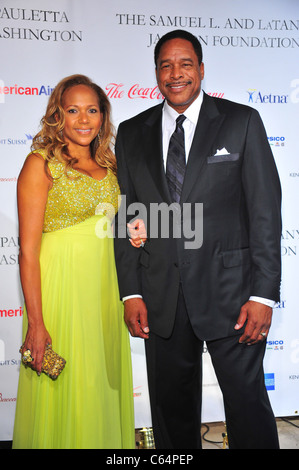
(223, 151)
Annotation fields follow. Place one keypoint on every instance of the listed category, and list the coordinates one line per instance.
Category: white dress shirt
(169, 116)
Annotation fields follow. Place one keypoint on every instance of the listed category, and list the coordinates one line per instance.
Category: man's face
(179, 74)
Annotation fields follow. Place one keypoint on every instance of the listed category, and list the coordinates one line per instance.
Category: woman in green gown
(67, 197)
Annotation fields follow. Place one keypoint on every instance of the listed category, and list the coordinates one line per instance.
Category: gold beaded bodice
(74, 197)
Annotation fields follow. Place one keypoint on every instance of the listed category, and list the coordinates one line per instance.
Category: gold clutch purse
(53, 364)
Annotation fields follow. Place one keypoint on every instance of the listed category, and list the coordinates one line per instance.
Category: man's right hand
(136, 317)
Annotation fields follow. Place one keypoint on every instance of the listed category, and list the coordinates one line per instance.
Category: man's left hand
(258, 317)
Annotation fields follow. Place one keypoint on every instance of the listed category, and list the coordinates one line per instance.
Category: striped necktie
(176, 160)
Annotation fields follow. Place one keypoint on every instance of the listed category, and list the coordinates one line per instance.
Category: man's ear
(202, 71)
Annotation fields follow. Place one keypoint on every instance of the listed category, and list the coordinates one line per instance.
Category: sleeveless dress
(90, 404)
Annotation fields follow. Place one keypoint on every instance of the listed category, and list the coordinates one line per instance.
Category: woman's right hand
(37, 338)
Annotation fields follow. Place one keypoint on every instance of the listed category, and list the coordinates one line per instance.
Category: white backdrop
(251, 56)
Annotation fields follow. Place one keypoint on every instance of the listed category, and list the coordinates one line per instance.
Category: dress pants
(175, 386)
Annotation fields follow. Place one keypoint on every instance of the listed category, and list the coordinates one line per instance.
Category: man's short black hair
(179, 34)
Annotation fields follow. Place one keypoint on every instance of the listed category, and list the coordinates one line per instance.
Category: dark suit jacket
(241, 197)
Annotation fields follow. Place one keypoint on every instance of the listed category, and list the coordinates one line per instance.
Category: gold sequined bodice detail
(74, 197)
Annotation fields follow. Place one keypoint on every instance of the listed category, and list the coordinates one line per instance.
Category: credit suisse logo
(19, 140)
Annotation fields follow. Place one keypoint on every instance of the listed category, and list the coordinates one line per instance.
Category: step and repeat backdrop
(251, 56)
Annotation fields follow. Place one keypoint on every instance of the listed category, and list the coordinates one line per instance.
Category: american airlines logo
(11, 312)
(16, 89)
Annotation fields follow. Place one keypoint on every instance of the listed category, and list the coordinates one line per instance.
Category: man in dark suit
(221, 289)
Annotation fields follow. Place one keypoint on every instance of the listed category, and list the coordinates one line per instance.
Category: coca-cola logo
(118, 91)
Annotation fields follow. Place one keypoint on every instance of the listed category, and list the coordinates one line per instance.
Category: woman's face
(83, 118)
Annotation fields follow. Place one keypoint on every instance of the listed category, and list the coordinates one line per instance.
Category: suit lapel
(152, 144)
(207, 128)
(208, 125)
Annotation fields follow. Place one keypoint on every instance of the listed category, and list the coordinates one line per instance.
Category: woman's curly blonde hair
(52, 124)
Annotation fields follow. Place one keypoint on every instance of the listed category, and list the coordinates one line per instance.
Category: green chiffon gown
(90, 405)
